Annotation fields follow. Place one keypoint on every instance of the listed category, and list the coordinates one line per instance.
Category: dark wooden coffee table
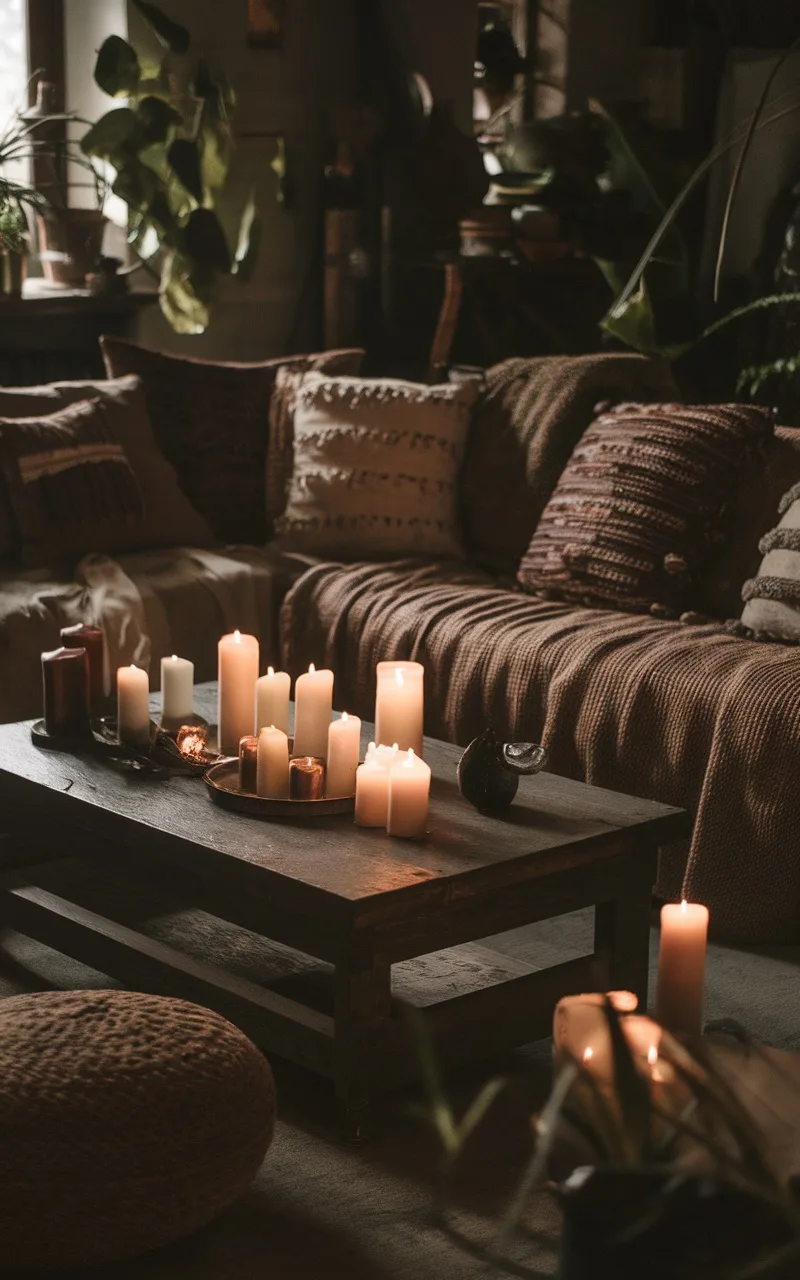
(354, 898)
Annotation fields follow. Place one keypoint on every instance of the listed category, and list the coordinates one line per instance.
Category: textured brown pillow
(634, 513)
(170, 519)
(376, 466)
(772, 596)
(211, 419)
(69, 481)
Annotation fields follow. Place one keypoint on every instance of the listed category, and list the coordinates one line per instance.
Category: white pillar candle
(682, 968)
(238, 672)
(133, 706)
(177, 690)
(272, 700)
(399, 705)
(313, 707)
(344, 749)
(372, 792)
(580, 1026)
(273, 764)
(409, 790)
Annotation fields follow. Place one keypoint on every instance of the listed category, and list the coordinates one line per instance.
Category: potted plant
(13, 249)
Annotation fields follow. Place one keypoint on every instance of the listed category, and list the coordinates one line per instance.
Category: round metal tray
(222, 781)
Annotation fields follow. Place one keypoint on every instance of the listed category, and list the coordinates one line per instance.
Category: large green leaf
(155, 118)
(205, 241)
(111, 135)
(185, 311)
(117, 69)
(171, 34)
(184, 158)
(249, 243)
(633, 322)
(135, 184)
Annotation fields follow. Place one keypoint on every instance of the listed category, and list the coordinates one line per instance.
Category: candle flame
(311, 668)
(398, 675)
(395, 746)
(237, 637)
(270, 671)
(652, 1055)
(344, 715)
(133, 666)
(174, 657)
(588, 1054)
(684, 905)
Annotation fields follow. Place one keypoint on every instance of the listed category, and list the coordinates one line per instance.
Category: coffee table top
(330, 864)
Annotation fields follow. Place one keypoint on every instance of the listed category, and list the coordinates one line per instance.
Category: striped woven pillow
(772, 598)
(635, 512)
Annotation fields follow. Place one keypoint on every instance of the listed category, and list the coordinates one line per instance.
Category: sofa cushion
(169, 518)
(638, 506)
(772, 608)
(211, 419)
(685, 714)
(376, 464)
(529, 418)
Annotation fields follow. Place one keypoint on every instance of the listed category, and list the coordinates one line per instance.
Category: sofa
(686, 710)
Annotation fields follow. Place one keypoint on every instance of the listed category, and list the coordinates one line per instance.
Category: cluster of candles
(580, 1028)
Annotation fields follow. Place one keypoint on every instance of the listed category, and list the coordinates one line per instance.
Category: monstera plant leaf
(185, 310)
(117, 70)
(171, 34)
(155, 118)
(184, 159)
(205, 241)
(112, 133)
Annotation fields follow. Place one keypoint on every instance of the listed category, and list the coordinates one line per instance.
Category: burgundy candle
(248, 764)
(83, 636)
(65, 679)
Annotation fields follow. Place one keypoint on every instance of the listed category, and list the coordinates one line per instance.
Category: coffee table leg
(362, 1004)
(622, 932)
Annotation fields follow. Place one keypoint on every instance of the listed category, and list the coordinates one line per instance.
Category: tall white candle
(399, 705)
(273, 764)
(313, 707)
(133, 706)
(272, 700)
(409, 790)
(177, 690)
(344, 748)
(682, 968)
(238, 672)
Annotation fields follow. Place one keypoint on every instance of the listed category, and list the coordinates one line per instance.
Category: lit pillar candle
(580, 1025)
(344, 748)
(65, 686)
(272, 700)
(409, 790)
(372, 786)
(177, 690)
(273, 764)
(682, 968)
(313, 707)
(399, 705)
(133, 707)
(238, 671)
(84, 636)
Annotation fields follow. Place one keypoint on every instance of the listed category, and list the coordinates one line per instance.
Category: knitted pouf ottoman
(126, 1121)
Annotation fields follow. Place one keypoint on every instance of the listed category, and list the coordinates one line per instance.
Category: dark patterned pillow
(634, 513)
(211, 420)
(70, 484)
(376, 466)
(772, 597)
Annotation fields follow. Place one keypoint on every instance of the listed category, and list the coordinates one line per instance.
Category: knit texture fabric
(639, 506)
(772, 597)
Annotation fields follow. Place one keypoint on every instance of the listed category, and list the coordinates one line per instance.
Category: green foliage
(170, 151)
(13, 227)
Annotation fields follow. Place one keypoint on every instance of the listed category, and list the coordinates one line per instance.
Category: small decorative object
(344, 752)
(265, 23)
(65, 680)
(84, 636)
(191, 741)
(409, 791)
(238, 672)
(682, 968)
(273, 776)
(306, 778)
(248, 764)
(313, 707)
(177, 691)
(372, 786)
(133, 707)
(272, 700)
(399, 705)
(489, 770)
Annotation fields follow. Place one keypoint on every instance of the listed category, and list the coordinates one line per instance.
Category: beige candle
(272, 780)
(177, 691)
(399, 705)
(238, 671)
(682, 968)
(580, 1026)
(344, 748)
(133, 707)
(409, 790)
(313, 707)
(372, 786)
(272, 700)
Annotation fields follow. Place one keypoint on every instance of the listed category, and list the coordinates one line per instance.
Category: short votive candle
(306, 778)
(248, 764)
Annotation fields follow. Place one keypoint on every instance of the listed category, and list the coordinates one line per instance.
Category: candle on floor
(65, 688)
(177, 691)
(399, 705)
(682, 968)
(273, 764)
(248, 764)
(306, 778)
(133, 707)
(409, 790)
(344, 749)
(313, 707)
(238, 671)
(92, 639)
(579, 1024)
(372, 786)
(272, 700)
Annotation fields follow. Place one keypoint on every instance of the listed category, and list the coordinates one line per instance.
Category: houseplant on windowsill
(13, 249)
